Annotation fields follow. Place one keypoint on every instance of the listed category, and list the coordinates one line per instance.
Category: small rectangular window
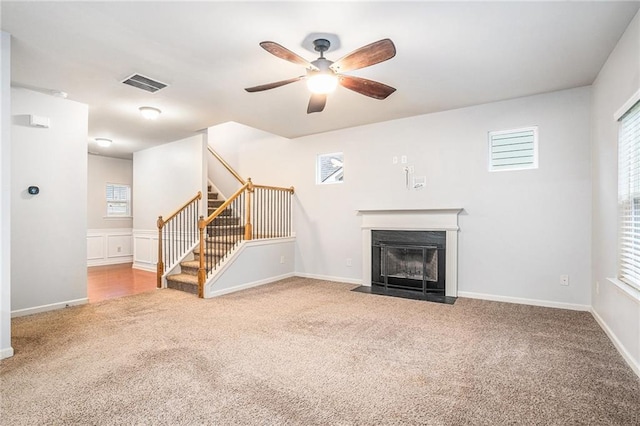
(515, 149)
(330, 168)
(118, 200)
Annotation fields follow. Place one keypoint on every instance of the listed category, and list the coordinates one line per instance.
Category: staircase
(187, 279)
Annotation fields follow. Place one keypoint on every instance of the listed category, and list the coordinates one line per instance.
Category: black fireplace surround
(408, 261)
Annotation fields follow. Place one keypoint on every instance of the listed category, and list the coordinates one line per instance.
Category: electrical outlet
(395, 159)
(119, 249)
(281, 259)
(403, 159)
(349, 261)
(564, 279)
(412, 169)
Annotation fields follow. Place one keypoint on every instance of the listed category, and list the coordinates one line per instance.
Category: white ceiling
(449, 55)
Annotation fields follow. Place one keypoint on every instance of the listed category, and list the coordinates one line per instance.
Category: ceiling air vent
(144, 83)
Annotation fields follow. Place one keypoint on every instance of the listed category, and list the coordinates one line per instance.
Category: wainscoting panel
(109, 246)
(145, 249)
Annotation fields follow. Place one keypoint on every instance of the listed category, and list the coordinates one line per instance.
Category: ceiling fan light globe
(322, 84)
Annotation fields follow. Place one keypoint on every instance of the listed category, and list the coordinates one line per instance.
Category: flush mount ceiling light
(150, 113)
(104, 142)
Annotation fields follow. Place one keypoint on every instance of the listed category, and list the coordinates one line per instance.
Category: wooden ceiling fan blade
(284, 53)
(316, 103)
(273, 85)
(370, 54)
(370, 88)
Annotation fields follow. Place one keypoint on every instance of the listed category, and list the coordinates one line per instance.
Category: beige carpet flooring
(307, 352)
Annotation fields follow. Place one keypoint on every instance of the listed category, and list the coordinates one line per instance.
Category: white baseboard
(110, 261)
(330, 278)
(248, 285)
(635, 365)
(522, 301)
(6, 352)
(50, 307)
(145, 266)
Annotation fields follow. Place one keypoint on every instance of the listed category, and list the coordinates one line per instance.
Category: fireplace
(441, 227)
(409, 260)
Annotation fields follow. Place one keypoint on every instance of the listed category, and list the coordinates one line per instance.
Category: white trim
(145, 267)
(6, 353)
(627, 106)
(635, 365)
(522, 301)
(50, 307)
(329, 278)
(625, 288)
(249, 285)
(103, 238)
(117, 217)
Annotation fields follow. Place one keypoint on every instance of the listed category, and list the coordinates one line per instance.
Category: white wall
(5, 196)
(109, 240)
(520, 230)
(619, 79)
(225, 139)
(103, 170)
(164, 178)
(48, 230)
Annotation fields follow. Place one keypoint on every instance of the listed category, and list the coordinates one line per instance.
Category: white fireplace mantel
(445, 219)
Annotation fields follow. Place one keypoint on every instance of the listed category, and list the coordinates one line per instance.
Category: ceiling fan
(324, 75)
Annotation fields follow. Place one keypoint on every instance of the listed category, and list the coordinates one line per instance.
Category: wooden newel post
(202, 273)
(248, 228)
(160, 264)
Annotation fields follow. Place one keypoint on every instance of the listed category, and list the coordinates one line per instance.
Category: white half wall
(5, 196)
(48, 230)
(164, 178)
(519, 230)
(257, 262)
(617, 310)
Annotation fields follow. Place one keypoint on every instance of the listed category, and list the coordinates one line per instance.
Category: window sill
(632, 292)
(117, 217)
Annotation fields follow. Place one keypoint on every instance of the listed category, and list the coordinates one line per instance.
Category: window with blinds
(515, 149)
(118, 200)
(629, 197)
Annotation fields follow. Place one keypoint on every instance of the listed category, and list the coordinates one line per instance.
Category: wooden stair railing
(252, 212)
(177, 234)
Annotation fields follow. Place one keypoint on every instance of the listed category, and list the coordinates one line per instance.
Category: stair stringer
(252, 263)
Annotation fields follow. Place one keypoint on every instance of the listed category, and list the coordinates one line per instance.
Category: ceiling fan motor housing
(321, 45)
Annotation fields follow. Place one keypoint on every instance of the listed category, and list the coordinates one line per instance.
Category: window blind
(629, 197)
(118, 199)
(513, 149)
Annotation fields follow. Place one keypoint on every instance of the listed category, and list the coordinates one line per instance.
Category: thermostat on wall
(39, 121)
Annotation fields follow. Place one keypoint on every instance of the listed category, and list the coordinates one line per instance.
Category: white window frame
(531, 166)
(319, 168)
(127, 201)
(628, 227)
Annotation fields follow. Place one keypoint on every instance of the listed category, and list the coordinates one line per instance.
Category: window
(513, 149)
(629, 197)
(330, 168)
(118, 200)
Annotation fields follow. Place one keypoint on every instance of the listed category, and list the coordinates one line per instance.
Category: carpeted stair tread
(183, 278)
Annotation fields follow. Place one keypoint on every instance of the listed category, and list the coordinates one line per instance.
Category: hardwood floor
(109, 282)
